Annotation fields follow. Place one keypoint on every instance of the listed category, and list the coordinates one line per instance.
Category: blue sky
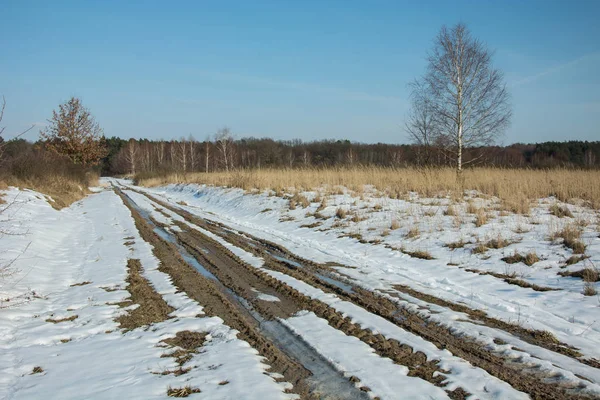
(288, 69)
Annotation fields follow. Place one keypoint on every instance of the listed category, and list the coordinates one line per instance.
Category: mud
(152, 308)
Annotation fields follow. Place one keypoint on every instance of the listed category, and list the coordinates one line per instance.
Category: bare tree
(131, 152)
(160, 153)
(182, 154)
(224, 140)
(192, 152)
(465, 94)
(419, 123)
(2, 128)
(206, 152)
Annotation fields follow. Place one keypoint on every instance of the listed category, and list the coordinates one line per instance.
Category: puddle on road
(286, 260)
(344, 286)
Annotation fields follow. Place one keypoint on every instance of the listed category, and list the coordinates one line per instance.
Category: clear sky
(288, 69)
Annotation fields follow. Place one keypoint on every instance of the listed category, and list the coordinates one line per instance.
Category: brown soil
(187, 340)
(188, 343)
(152, 308)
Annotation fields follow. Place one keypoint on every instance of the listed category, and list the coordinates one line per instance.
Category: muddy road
(203, 258)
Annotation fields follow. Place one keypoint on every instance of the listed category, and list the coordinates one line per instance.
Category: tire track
(324, 383)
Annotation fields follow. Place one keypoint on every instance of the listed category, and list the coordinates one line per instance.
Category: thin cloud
(553, 69)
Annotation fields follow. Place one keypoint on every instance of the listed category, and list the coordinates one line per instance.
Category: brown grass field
(515, 187)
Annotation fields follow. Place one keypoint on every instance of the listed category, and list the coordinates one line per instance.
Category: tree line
(189, 155)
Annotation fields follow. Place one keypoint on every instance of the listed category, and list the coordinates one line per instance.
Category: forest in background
(145, 156)
(187, 155)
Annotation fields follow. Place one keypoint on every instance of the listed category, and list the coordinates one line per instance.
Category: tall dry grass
(49, 174)
(516, 187)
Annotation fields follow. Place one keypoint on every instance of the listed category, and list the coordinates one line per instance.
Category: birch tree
(131, 153)
(466, 96)
(224, 140)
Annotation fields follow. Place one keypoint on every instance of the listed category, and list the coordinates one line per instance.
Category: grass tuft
(528, 259)
(181, 392)
(560, 211)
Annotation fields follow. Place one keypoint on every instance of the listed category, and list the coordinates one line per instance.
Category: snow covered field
(59, 334)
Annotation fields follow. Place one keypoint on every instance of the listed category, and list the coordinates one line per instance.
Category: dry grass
(528, 259)
(590, 277)
(63, 190)
(413, 232)
(560, 211)
(570, 235)
(422, 254)
(451, 211)
(456, 245)
(37, 370)
(472, 208)
(299, 200)
(340, 213)
(59, 320)
(480, 217)
(181, 392)
(515, 187)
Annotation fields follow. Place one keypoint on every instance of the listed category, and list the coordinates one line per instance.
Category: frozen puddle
(265, 297)
(344, 286)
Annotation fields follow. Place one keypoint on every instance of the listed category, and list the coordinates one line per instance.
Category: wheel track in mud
(519, 376)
